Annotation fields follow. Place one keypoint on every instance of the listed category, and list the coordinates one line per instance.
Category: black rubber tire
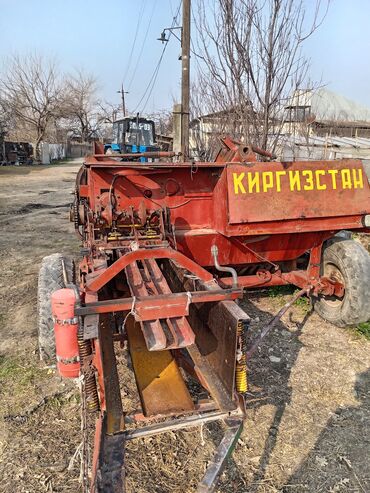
(352, 261)
(50, 279)
(340, 236)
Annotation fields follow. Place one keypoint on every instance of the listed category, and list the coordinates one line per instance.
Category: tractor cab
(132, 135)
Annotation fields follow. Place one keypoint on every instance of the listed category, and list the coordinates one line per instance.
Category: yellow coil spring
(84, 347)
(91, 392)
(241, 380)
(113, 236)
(151, 233)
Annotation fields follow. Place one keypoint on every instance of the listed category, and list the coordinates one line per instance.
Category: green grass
(13, 372)
(364, 329)
(303, 302)
(24, 384)
(280, 292)
(58, 401)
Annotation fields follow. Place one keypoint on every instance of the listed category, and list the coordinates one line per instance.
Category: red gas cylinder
(65, 330)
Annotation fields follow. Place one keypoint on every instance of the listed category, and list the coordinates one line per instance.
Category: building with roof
(315, 147)
(318, 124)
(325, 113)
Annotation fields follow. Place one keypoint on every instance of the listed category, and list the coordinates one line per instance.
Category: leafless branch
(32, 90)
(252, 63)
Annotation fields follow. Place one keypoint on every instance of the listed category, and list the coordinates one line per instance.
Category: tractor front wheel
(50, 279)
(348, 262)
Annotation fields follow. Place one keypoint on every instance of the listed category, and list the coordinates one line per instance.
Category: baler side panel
(188, 195)
(272, 248)
(261, 192)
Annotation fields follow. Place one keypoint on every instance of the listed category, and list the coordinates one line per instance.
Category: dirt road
(309, 411)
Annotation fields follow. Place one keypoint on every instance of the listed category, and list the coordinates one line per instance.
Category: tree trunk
(37, 150)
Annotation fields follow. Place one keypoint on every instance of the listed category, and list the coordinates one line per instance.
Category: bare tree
(32, 90)
(82, 108)
(163, 121)
(251, 61)
(109, 111)
(6, 118)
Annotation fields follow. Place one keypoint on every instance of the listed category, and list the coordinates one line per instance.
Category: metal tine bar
(161, 287)
(152, 329)
(179, 424)
(179, 327)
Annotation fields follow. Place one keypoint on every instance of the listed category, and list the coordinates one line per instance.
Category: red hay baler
(168, 249)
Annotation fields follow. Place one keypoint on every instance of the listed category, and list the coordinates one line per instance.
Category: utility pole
(185, 82)
(123, 92)
(181, 125)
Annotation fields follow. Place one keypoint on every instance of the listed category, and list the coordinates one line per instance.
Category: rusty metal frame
(151, 307)
(223, 452)
(169, 332)
(195, 419)
(108, 473)
(309, 278)
(112, 393)
(144, 254)
(208, 356)
(277, 240)
(233, 421)
(299, 278)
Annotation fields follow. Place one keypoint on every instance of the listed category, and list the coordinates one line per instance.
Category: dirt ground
(309, 411)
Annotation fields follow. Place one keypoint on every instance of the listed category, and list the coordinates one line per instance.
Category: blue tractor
(132, 136)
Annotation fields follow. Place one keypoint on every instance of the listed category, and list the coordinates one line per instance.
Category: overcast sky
(99, 36)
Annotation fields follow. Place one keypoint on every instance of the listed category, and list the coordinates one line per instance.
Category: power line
(142, 46)
(154, 76)
(135, 37)
(153, 84)
(169, 1)
(192, 47)
(153, 79)
(191, 39)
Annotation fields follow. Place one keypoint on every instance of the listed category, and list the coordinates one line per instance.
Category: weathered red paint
(160, 306)
(158, 253)
(205, 211)
(267, 214)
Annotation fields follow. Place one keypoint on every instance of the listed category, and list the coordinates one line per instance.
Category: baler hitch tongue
(274, 321)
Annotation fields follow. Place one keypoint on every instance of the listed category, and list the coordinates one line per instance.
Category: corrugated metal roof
(336, 141)
(315, 147)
